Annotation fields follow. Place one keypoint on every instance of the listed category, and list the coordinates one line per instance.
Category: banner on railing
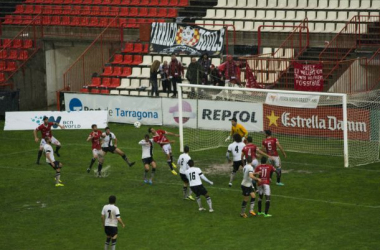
(169, 38)
(71, 120)
(251, 81)
(308, 77)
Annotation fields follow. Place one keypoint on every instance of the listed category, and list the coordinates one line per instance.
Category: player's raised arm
(170, 133)
(280, 147)
(61, 126)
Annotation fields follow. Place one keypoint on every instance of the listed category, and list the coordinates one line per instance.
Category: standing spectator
(154, 70)
(205, 62)
(175, 73)
(164, 71)
(215, 76)
(230, 71)
(194, 73)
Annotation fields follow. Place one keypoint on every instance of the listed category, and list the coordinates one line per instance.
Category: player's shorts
(147, 161)
(97, 153)
(167, 148)
(199, 190)
(236, 165)
(56, 164)
(184, 178)
(110, 231)
(110, 149)
(246, 191)
(264, 189)
(53, 141)
(275, 162)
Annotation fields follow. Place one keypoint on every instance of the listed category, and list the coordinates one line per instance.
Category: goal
(331, 124)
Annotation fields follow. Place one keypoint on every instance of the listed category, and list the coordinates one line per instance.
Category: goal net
(305, 122)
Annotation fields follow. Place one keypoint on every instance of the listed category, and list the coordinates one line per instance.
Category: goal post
(321, 123)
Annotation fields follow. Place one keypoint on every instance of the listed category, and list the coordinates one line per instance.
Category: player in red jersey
(270, 144)
(265, 172)
(160, 138)
(251, 150)
(45, 129)
(97, 152)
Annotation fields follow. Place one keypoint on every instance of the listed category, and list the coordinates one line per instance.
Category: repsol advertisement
(168, 38)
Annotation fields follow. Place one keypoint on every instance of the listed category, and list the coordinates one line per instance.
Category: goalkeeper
(237, 129)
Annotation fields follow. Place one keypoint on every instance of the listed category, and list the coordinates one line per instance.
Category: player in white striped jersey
(194, 175)
(110, 218)
(147, 158)
(56, 165)
(110, 145)
(235, 148)
(247, 187)
(183, 162)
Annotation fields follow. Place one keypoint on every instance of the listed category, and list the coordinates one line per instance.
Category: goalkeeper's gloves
(228, 138)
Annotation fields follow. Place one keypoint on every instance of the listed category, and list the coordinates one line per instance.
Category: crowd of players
(244, 154)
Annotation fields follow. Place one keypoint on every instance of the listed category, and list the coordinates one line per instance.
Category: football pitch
(321, 206)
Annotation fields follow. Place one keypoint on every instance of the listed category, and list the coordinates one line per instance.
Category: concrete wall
(59, 57)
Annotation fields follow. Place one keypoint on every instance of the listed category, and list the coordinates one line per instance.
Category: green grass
(322, 206)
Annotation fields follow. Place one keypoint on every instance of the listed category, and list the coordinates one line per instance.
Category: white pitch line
(217, 188)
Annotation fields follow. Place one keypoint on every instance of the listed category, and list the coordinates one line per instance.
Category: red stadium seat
(95, 81)
(106, 82)
(76, 10)
(17, 43)
(65, 20)
(27, 44)
(77, 1)
(107, 2)
(125, 2)
(55, 20)
(3, 54)
(123, 22)
(144, 2)
(17, 19)
(84, 90)
(12, 54)
(143, 12)
(8, 19)
(23, 55)
(84, 21)
(95, 91)
(94, 21)
(128, 48)
(105, 11)
(47, 10)
(56, 1)
(103, 22)
(118, 59)
(97, 1)
(114, 22)
(132, 23)
(46, 20)
(19, 9)
(153, 12)
(114, 11)
(87, 2)
(183, 3)
(128, 59)
(57, 10)
(104, 91)
(115, 82)
(116, 2)
(146, 48)
(107, 71)
(68, 1)
(124, 11)
(173, 2)
(75, 21)
(116, 71)
(163, 3)
(95, 11)
(7, 43)
(137, 59)
(66, 10)
(37, 9)
(172, 13)
(153, 2)
(127, 71)
(2, 77)
(86, 11)
(2, 65)
(27, 19)
(29, 9)
(29, 1)
(135, 2)
(138, 48)
(133, 12)
(11, 66)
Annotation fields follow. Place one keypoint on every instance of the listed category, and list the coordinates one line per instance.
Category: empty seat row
(115, 2)
(16, 43)
(8, 66)
(105, 82)
(253, 26)
(96, 11)
(127, 59)
(300, 4)
(80, 21)
(95, 90)
(136, 48)
(281, 14)
(14, 54)
(117, 71)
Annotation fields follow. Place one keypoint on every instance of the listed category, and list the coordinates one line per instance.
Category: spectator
(175, 73)
(154, 70)
(215, 76)
(164, 71)
(194, 73)
(230, 71)
(205, 62)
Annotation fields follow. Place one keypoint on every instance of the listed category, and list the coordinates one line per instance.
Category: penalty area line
(211, 187)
